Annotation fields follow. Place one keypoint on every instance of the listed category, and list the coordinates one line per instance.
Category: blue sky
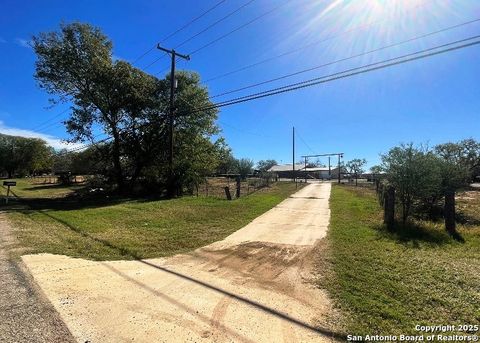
(428, 101)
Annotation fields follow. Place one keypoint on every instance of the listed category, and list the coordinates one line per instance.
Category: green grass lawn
(130, 229)
(387, 283)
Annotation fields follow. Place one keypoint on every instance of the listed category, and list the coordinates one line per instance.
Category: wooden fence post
(389, 208)
(449, 212)
(227, 193)
(237, 193)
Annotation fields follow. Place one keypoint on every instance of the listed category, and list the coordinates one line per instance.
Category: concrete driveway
(254, 286)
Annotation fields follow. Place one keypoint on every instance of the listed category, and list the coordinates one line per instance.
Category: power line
(192, 21)
(179, 30)
(155, 60)
(144, 54)
(349, 72)
(49, 120)
(238, 28)
(300, 136)
(100, 141)
(346, 58)
(244, 131)
(215, 23)
(224, 35)
(49, 127)
(422, 54)
(335, 35)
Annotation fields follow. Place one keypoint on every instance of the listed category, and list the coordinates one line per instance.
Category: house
(286, 171)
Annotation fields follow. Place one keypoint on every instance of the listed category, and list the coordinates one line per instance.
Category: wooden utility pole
(171, 117)
(305, 170)
(339, 168)
(293, 157)
(329, 167)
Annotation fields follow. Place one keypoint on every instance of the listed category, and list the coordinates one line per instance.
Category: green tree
(464, 154)
(244, 167)
(415, 174)
(356, 167)
(265, 165)
(131, 107)
(26, 156)
(456, 172)
(376, 169)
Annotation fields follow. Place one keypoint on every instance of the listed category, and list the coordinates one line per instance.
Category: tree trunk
(116, 160)
(449, 213)
(237, 193)
(227, 193)
(136, 174)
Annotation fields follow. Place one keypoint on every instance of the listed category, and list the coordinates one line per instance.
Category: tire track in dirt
(218, 315)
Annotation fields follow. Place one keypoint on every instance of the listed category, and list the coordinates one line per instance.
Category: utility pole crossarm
(173, 52)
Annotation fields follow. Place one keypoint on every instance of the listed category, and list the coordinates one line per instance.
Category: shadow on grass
(415, 234)
(77, 200)
(52, 186)
(466, 219)
(131, 255)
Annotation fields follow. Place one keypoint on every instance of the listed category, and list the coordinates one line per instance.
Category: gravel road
(26, 314)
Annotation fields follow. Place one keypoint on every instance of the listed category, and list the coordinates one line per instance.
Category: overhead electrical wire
(214, 24)
(351, 72)
(291, 74)
(322, 40)
(362, 26)
(303, 141)
(422, 54)
(49, 120)
(183, 27)
(200, 32)
(193, 20)
(347, 58)
(239, 28)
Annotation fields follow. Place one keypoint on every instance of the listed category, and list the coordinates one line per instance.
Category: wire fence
(219, 187)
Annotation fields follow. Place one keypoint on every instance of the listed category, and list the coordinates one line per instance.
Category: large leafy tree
(27, 156)
(76, 65)
(415, 174)
(128, 105)
(265, 165)
(244, 167)
(356, 167)
(464, 155)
